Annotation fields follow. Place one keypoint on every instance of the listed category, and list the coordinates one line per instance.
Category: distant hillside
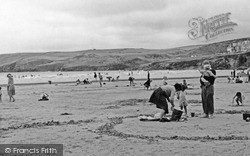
(188, 57)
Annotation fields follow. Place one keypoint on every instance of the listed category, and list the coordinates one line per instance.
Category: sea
(72, 76)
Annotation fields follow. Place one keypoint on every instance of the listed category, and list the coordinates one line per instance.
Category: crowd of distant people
(240, 77)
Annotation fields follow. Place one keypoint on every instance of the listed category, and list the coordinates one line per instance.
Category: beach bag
(176, 115)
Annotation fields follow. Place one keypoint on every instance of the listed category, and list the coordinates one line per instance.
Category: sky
(71, 25)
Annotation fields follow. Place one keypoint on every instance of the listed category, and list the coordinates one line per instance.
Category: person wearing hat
(208, 76)
(11, 87)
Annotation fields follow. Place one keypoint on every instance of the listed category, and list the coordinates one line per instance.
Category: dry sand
(103, 121)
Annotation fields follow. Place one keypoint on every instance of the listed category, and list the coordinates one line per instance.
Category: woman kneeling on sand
(160, 95)
(11, 87)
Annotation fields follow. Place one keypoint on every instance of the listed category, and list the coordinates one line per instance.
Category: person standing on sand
(131, 81)
(100, 79)
(160, 95)
(207, 89)
(185, 85)
(181, 96)
(234, 73)
(248, 73)
(0, 94)
(95, 75)
(147, 83)
(11, 87)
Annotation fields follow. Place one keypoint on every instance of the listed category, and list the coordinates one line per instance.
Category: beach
(90, 120)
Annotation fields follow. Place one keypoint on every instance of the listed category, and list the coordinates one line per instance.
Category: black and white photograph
(124, 78)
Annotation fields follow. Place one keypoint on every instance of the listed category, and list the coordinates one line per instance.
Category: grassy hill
(187, 57)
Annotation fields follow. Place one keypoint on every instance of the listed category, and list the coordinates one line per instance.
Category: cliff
(188, 57)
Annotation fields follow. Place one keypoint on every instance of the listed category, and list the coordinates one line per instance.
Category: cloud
(48, 25)
(97, 8)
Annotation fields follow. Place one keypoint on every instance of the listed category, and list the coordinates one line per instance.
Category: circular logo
(7, 150)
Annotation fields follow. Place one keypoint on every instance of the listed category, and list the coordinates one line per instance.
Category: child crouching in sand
(239, 97)
(181, 96)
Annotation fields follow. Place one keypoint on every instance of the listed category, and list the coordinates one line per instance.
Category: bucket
(245, 116)
(176, 115)
(192, 114)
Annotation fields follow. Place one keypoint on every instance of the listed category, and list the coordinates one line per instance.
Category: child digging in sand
(239, 97)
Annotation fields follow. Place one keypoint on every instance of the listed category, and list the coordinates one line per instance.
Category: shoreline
(95, 81)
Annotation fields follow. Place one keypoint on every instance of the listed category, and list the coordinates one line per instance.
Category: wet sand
(91, 120)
